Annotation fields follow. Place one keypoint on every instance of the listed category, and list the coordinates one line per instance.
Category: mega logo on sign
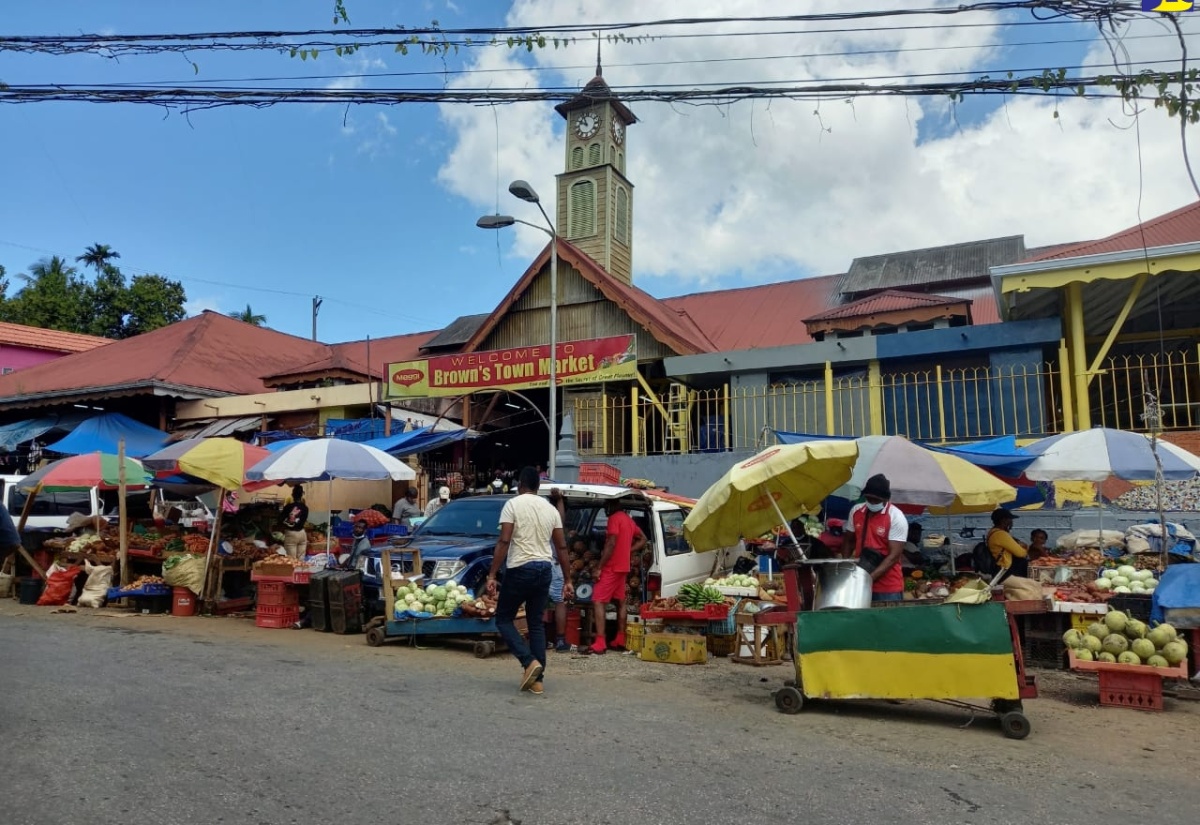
(516, 368)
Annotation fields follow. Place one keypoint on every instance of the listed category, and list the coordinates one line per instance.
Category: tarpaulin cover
(1000, 455)
(102, 434)
(418, 441)
(1179, 586)
(13, 434)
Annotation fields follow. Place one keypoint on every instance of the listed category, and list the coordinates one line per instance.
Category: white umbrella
(324, 459)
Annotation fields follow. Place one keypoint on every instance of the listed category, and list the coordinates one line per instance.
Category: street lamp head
(524, 191)
(495, 221)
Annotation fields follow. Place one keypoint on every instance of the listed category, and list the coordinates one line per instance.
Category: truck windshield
(466, 517)
(62, 503)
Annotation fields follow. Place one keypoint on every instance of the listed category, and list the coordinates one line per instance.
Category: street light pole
(525, 192)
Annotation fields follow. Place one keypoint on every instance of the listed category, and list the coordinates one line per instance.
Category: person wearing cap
(438, 503)
(1011, 555)
(877, 531)
(406, 509)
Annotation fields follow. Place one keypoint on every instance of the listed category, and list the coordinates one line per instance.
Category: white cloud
(196, 305)
(761, 189)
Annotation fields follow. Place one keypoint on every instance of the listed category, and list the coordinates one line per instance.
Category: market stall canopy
(1000, 456)
(1101, 452)
(924, 478)
(220, 461)
(763, 492)
(104, 432)
(85, 471)
(19, 432)
(322, 459)
(419, 441)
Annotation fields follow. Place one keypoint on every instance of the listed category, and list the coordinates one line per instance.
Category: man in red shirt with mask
(877, 532)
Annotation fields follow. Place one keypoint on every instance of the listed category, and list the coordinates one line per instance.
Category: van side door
(678, 563)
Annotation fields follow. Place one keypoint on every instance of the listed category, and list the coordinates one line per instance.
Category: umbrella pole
(122, 513)
(212, 541)
(784, 521)
(950, 546)
(329, 525)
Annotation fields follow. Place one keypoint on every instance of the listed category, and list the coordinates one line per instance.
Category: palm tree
(249, 316)
(98, 256)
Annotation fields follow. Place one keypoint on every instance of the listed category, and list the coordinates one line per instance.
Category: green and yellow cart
(957, 654)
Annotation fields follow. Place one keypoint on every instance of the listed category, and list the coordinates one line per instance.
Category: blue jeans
(527, 585)
(887, 597)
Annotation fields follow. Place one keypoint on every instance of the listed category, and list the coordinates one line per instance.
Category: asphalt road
(121, 722)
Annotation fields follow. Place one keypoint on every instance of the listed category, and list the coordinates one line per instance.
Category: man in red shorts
(622, 539)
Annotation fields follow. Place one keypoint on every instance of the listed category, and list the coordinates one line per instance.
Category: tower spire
(599, 68)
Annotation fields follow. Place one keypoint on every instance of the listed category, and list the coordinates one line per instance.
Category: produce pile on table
(673, 604)
(1075, 593)
(1119, 638)
(247, 549)
(146, 581)
(277, 560)
(1126, 579)
(1086, 557)
(735, 580)
(371, 516)
(440, 601)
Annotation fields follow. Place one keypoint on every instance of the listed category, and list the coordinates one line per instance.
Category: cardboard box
(674, 648)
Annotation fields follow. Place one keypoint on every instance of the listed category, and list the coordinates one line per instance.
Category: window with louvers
(583, 209)
(595, 154)
(621, 219)
(577, 157)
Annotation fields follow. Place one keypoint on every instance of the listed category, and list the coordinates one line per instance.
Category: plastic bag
(973, 592)
(185, 571)
(58, 586)
(98, 581)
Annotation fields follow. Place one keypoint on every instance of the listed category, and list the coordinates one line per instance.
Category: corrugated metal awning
(214, 427)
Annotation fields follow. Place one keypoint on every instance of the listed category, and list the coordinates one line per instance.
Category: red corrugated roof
(1178, 227)
(890, 300)
(755, 317)
(210, 351)
(51, 340)
(351, 356)
(668, 325)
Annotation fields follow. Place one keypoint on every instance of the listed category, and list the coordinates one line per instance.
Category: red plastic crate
(277, 622)
(277, 610)
(599, 473)
(288, 598)
(1141, 691)
(298, 577)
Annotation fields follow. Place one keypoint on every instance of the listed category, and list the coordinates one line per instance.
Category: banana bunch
(696, 596)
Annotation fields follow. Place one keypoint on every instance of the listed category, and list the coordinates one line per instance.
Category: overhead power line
(1050, 81)
(1106, 12)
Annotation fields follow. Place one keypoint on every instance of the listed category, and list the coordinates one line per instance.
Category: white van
(52, 510)
(674, 562)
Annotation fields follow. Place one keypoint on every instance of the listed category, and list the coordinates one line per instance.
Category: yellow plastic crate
(635, 634)
(674, 648)
(1080, 621)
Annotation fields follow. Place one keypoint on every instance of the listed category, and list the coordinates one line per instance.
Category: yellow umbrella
(219, 461)
(753, 496)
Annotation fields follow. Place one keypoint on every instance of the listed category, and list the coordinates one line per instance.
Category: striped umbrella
(219, 461)
(85, 471)
(323, 459)
(1101, 452)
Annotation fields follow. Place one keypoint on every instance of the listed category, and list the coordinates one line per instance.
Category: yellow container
(634, 636)
(1080, 621)
(674, 648)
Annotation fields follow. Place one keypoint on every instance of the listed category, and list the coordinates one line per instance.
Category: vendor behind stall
(295, 516)
(877, 531)
(1011, 556)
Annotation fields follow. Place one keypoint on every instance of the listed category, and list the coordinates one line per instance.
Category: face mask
(875, 508)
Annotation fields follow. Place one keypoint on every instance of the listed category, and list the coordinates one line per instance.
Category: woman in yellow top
(1011, 555)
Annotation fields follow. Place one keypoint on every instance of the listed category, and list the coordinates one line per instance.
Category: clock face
(587, 124)
(618, 131)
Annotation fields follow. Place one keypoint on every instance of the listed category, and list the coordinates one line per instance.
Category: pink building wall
(14, 358)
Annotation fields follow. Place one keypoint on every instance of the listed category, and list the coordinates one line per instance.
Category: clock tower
(595, 199)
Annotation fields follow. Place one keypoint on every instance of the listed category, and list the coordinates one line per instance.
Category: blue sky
(374, 208)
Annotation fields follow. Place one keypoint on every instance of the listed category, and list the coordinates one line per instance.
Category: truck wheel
(484, 649)
(376, 637)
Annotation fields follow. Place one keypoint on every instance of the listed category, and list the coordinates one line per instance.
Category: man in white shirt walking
(529, 527)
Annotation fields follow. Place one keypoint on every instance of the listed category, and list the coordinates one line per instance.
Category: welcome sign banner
(516, 368)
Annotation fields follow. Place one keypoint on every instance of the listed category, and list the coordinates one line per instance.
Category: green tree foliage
(53, 295)
(249, 316)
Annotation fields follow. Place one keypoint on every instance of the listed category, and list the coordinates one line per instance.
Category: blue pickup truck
(457, 542)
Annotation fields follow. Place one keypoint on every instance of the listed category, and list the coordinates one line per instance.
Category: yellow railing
(1126, 387)
(942, 404)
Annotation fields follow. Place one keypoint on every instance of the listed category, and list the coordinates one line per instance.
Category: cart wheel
(1015, 725)
(376, 636)
(789, 700)
(1003, 706)
(484, 649)
(377, 621)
